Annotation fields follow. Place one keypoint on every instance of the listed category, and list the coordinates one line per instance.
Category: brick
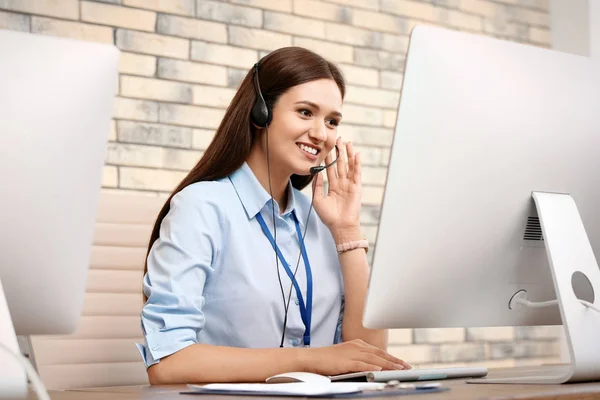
(112, 131)
(538, 332)
(156, 89)
(360, 75)
(294, 25)
(524, 349)
(439, 335)
(393, 43)
(134, 155)
(229, 13)
(212, 96)
(483, 7)
(223, 55)
(118, 16)
(391, 80)
(385, 157)
(190, 115)
(380, 22)
(542, 5)
(257, 39)
(192, 28)
(457, 19)
(491, 334)
(389, 118)
(351, 35)
(150, 43)
(15, 22)
(504, 28)
(372, 97)
(279, 5)
(399, 336)
(155, 134)
(235, 76)
(149, 179)
(67, 9)
(181, 7)
(110, 176)
(362, 115)
(322, 10)
(137, 64)
(450, 353)
(180, 159)
(370, 233)
(374, 175)
(192, 72)
(369, 155)
(108, 1)
(367, 135)
(529, 17)
(73, 30)
(408, 8)
(414, 354)
(139, 110)
(379, 59)
(202, 138)
(366, 4)
(539, 35)
(330, 51)
(369, 214)
(372, 195)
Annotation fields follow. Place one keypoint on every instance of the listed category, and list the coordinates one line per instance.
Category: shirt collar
(254, 197)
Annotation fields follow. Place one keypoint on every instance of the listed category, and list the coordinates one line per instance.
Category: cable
(275, 239)
(38, 385)
(541, 304)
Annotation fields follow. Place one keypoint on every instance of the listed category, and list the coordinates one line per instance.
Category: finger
(350, 152)
(342, 162)
(372, 358)
(361, 366)
(357, 175)
(331, 172)
(387, 356)
(318, 186)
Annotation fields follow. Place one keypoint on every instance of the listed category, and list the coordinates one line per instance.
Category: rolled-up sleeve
(179, 264)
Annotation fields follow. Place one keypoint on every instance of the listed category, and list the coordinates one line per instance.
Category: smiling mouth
(310, 150)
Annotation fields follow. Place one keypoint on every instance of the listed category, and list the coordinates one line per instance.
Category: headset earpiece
(261, 113)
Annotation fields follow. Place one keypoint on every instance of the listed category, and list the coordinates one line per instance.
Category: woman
(225, 286)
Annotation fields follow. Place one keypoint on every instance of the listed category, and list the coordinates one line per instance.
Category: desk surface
(458, 390)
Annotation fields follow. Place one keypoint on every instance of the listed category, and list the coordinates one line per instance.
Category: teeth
(308, 149)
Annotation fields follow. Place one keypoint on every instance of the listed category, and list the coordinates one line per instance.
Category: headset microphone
(316, 170)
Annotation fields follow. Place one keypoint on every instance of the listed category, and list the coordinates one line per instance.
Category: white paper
(296, 388)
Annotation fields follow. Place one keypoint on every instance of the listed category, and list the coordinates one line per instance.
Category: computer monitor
(56, 102)
(483, 124)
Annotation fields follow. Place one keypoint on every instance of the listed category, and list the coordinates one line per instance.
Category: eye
(305, 112)
(333, 122)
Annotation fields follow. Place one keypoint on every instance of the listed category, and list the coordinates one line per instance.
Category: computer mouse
(306, 377)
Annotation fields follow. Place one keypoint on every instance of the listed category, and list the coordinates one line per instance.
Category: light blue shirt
(212, 277)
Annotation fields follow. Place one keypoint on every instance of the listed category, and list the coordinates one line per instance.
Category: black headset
(261, 115)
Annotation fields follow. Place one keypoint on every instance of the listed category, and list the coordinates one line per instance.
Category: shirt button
(296, 342)
(297, 302)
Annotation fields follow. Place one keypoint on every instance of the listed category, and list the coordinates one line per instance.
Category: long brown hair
(278, 71)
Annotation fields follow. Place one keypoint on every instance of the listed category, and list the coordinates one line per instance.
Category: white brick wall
(183, 59)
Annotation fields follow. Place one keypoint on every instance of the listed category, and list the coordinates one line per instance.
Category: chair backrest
(102, 352)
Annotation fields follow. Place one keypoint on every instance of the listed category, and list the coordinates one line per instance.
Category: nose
(318, 131)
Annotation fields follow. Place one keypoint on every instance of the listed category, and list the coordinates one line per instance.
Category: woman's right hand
(352, 356)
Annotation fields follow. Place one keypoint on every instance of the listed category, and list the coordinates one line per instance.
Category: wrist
(343, 235)
(305, 359)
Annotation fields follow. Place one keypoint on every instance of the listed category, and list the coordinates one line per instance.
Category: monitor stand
(13, 380)
(570, 255)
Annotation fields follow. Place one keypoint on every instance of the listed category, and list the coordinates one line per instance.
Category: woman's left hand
(339, 209)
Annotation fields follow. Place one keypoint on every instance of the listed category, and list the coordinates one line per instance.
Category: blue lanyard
(305, 310)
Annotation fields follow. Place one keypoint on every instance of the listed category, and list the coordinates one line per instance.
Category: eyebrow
(316, 106)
